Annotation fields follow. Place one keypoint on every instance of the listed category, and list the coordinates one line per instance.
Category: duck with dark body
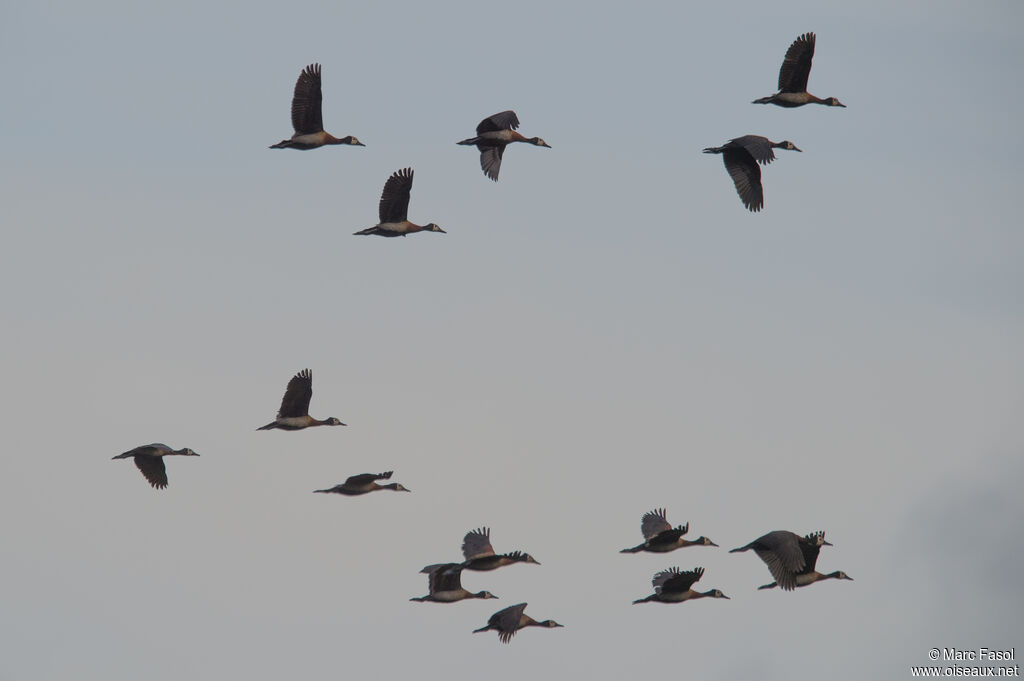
(493, 134)
(510, 620)
(790, 558)
(364, 483)
(444, 582)
(810, 547)
(294, 411)
(796, 68)
(675, 586)
(307, 116)
(741, 157)
(480, 556)
(394, 209)
(661, 537)
(149, 459)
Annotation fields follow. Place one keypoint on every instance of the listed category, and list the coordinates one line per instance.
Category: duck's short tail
(470, 140)
(764, 100)
(269, 426)
(283, 144)
(635, 549)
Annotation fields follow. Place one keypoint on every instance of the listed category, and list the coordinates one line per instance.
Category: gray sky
(604, 331)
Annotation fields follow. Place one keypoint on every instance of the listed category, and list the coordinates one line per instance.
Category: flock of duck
(741, 155)
(790, 557)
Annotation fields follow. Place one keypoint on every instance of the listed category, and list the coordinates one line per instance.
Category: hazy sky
(604, 331)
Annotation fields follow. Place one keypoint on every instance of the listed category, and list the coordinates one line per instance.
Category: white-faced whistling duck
(786, 554)
(294, 411)
(479, 554)
(363, 483)
(661, 537)
(741, 156)
(307, 116)
(445, 584)
(510, 620)
(810, 546)
(796, 67)
(150, 460)
(394, 209)
(673, 586)
(493, 135)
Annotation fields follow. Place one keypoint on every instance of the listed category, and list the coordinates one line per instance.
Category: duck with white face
(796, 68)
(661, 537)
(149, 459)
(510, 620)
(493, 134)
(364, 483)
(741, 156)
(394, 209)
(445, 585)
(294, 411)
(480, 555)
(307, 117)
(791, 558)
(676, 586)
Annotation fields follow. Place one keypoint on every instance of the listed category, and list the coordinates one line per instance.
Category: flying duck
(294, 411)
(363, 483)
(741, 156)
(675, 586)
(796, 67)
(786, 554)
(394, 209)
(150, 460)
(492, 136)
(479, 554)
(445, 584)
(661, 537)
(510, 620)
(810, 546)
(307, 118)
